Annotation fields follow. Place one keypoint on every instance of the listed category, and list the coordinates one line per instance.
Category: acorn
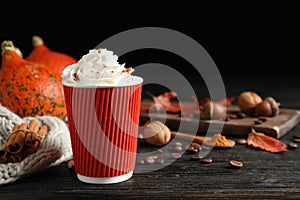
(269, 107)
(213, 110)
(247, 102)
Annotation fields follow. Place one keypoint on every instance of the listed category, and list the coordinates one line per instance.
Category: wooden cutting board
(274, 126)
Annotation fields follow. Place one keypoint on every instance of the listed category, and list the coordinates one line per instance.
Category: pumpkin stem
(7, 45)
(37, 41)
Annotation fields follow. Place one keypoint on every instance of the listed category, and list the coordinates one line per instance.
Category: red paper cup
(103, 123)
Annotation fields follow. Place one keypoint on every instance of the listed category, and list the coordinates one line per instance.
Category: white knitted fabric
(55, 149)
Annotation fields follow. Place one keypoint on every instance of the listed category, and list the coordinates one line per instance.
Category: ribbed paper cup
(103, 123)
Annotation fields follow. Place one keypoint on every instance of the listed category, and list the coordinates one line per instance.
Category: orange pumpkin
(53, 59)
(28, 88)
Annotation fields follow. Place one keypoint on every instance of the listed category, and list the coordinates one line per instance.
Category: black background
(241, 36)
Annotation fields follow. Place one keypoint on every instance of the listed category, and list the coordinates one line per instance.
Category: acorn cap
(274, 105)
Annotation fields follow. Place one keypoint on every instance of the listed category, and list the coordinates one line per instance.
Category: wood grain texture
(275, 126)
(264, 175)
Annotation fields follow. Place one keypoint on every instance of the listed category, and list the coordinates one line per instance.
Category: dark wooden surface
(264, 175)
(276, 126)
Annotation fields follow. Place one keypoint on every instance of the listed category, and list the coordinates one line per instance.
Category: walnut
(156, 133)
(247, 102)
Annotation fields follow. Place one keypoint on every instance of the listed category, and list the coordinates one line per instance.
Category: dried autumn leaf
(262, 141)
(145, 106)
(165, 101)
(187, 109)
(225, 102)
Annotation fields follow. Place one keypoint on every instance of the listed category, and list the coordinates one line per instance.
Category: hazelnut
(247, 101)
(212, 110)
(267, 108)
(156, 133)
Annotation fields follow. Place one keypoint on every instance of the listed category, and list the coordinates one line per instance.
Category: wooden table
(264, 175)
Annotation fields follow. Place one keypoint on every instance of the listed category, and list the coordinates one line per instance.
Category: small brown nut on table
(292, 145)
(235, 163)
(156, 133)
(241, 141)
(206, 160)
(213, 110)
(247, 101)
(268, 108)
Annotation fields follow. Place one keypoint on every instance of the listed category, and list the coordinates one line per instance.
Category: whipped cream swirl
(98, 67)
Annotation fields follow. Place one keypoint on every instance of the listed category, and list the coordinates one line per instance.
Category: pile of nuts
(252, 104)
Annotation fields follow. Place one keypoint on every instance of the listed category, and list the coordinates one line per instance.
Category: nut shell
(268, 108)
(264, 109)
(212, 110)
(247, 102)
(156, 133)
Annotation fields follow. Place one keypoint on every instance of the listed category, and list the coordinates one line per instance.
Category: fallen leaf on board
(262, 141)
(164, 102)
(225, 102)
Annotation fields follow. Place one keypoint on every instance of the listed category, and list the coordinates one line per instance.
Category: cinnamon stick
(16, 157)
(3, 155)
(188, 137)
(16, 126)
(31, 150)
(31, 139)
(43, 131)
(24, 140)
(34, 126)
(16, 143)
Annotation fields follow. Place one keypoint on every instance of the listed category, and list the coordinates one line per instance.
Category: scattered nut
(196, 145)
(195, 157)
(292, 145)
(296, 140)
(156, 133)
(141, 162)
(268, 108)
(191, 149)
(236, 164)
(176, 144)
(176, 155)
(160, 151)
(247, 101)
(206, 160)
(159, 160)
(257, 121)
(177, 148)
(150, 159)
(241, 141)
(262, 118)
(241, 115)
(213, 110)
